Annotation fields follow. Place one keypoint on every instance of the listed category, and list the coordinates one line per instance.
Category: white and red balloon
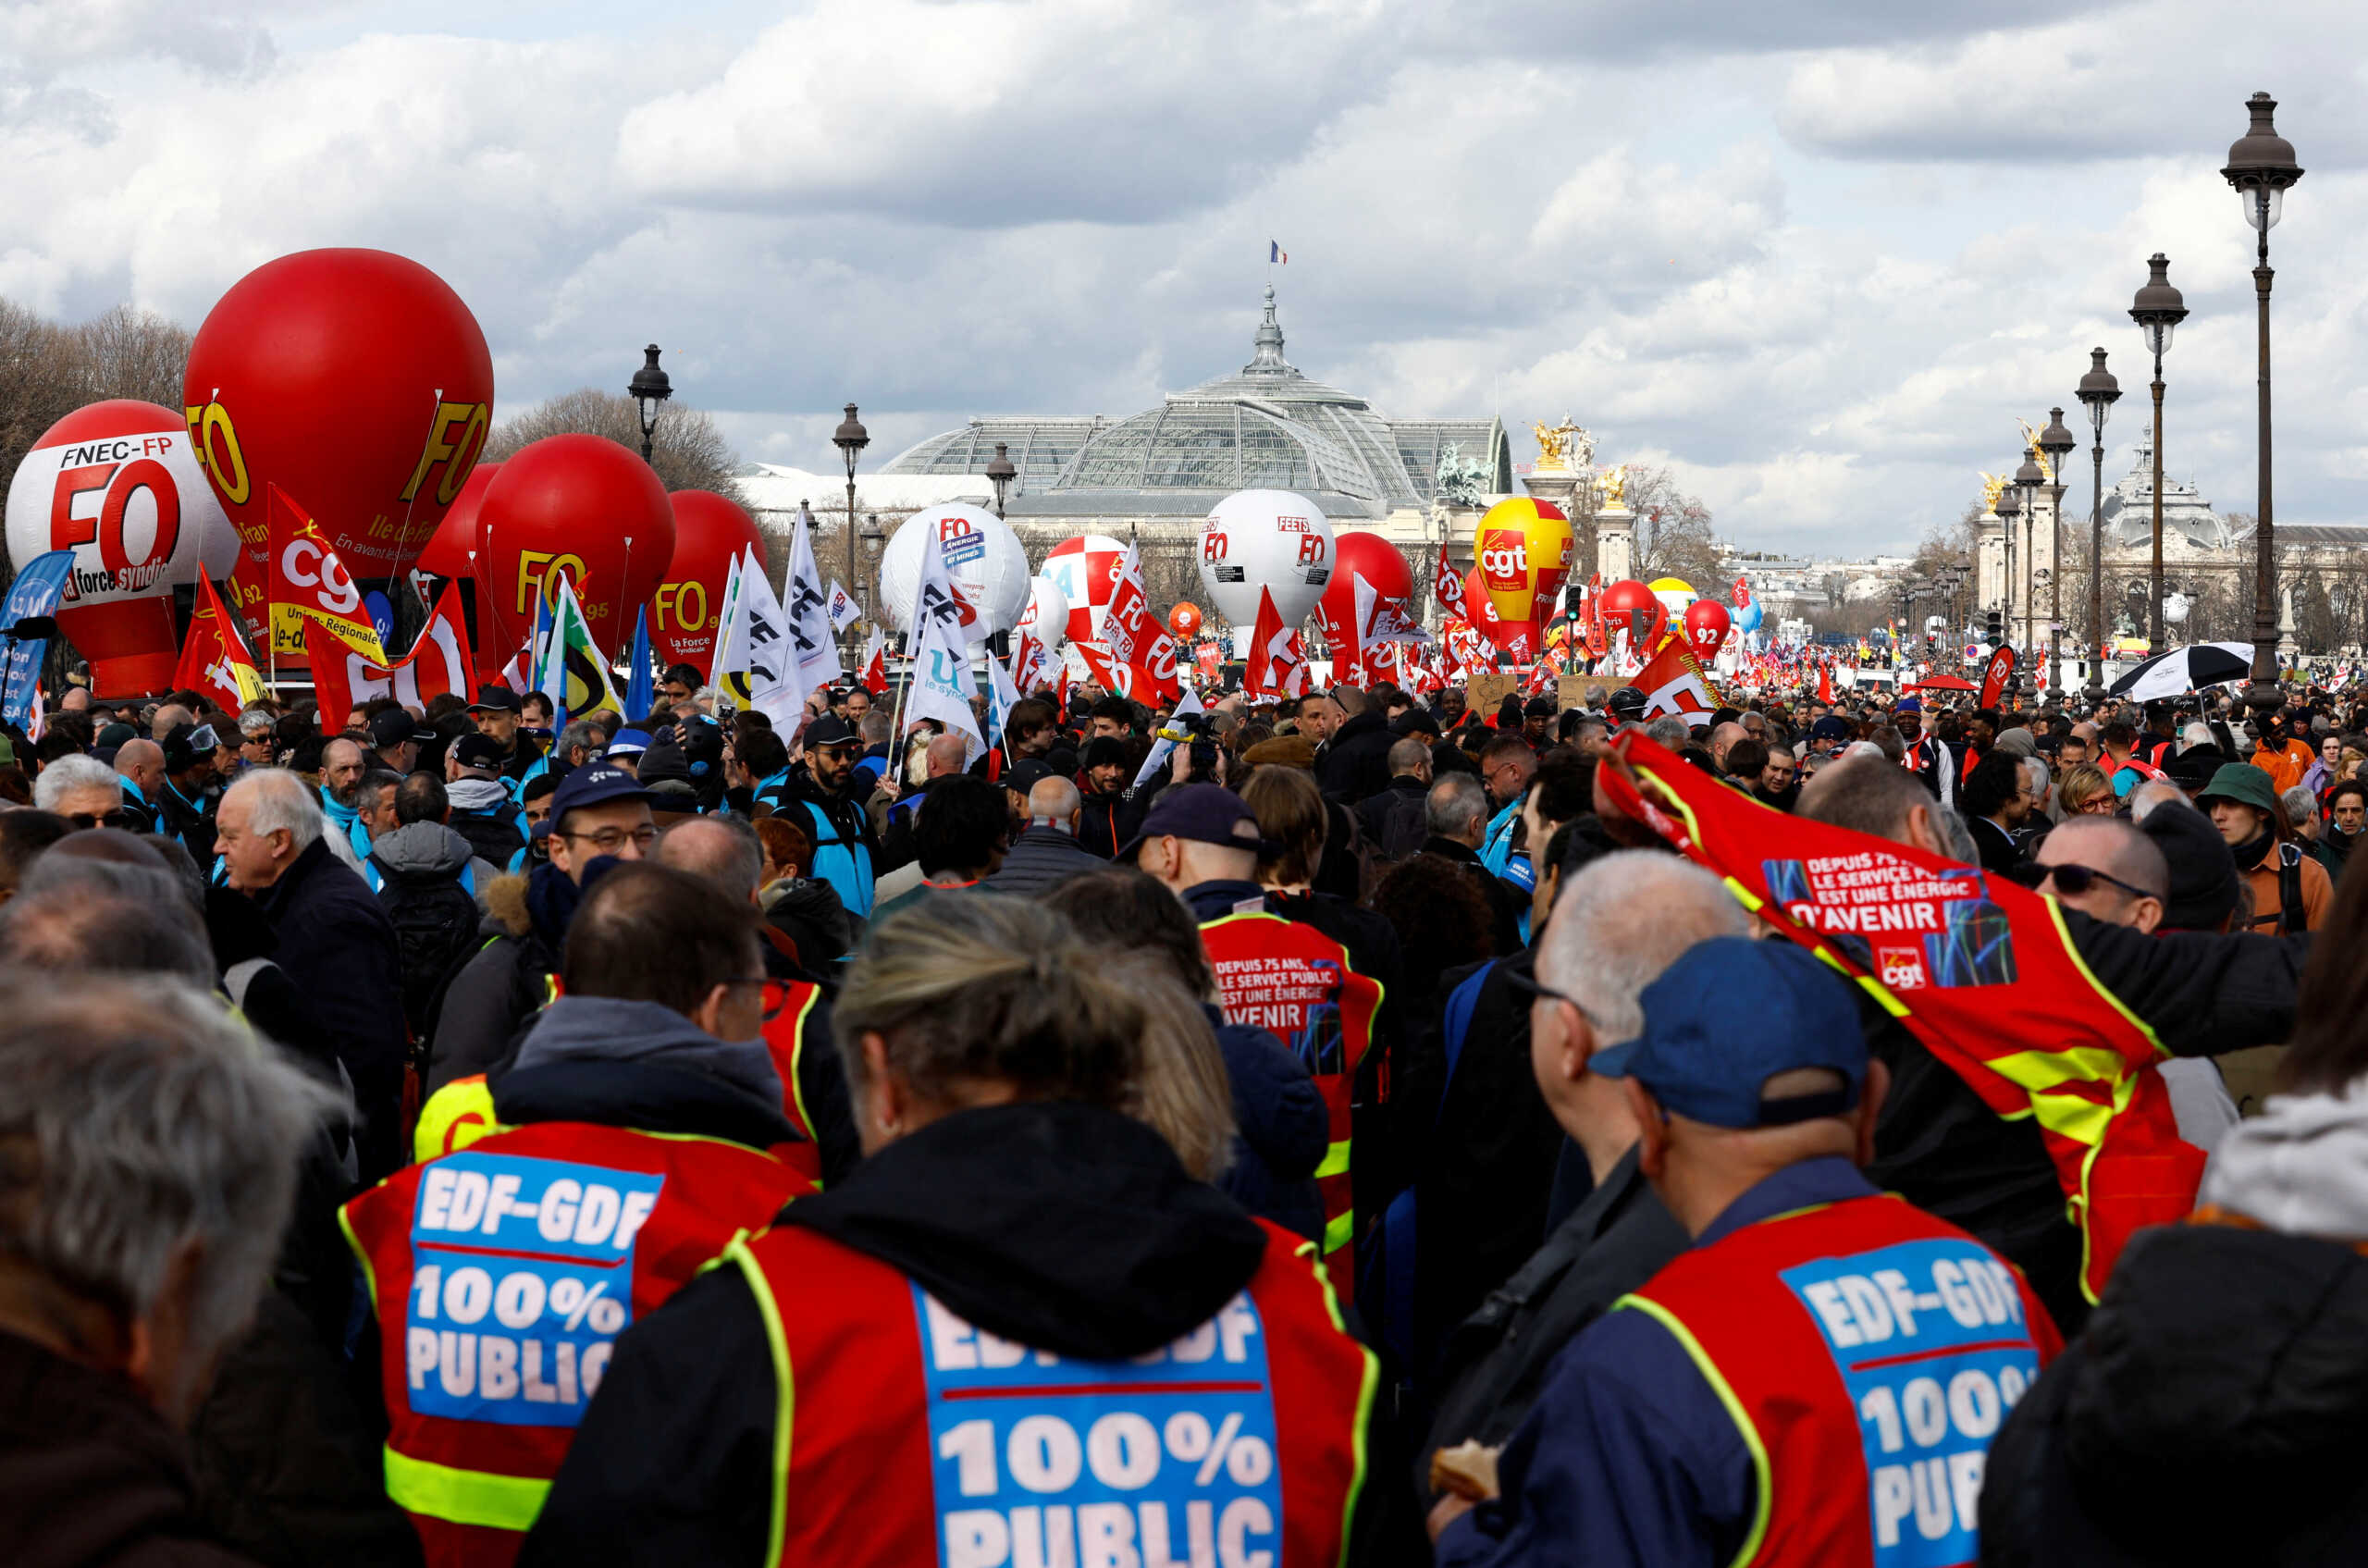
(1275, 540)
(984, 558)
(1706, 623)
(1085, 568)
(118, 483)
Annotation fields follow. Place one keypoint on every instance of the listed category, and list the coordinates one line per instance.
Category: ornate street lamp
(649, 388)
(2158, 310)
(2099, 391)
(851, 437)
(2029, 478)
(1000, 473)
(2261, 165)
(2057, 442)
(2010, 512)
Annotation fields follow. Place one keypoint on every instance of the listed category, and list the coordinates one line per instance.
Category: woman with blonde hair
(1020, 1331)
(2085, 791)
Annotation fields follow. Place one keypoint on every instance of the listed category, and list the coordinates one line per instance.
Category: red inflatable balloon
(1379, 564)
(1705, 627)
(710, 534)
(354, 380)
(1185, 619)
(581, 507)
(1623, 596)
(453, 553)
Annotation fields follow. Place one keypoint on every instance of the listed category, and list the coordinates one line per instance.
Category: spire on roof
(1267, 359)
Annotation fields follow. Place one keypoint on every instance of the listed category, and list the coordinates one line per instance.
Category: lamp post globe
(648, 389)
(2261, 165)
(851, 437)
(2158, 309)
(2098, 392)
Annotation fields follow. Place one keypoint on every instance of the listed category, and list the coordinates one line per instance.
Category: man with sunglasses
(84, 790)
(2104, 868)
(625, 1142)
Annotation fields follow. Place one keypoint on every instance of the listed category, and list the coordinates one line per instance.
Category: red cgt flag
(439, 662)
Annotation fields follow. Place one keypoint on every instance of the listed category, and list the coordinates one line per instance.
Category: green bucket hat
(2242, 782)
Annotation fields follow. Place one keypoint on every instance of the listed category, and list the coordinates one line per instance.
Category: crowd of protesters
(1341, 1129)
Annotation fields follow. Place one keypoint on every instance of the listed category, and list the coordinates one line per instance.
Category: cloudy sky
(1816, 257)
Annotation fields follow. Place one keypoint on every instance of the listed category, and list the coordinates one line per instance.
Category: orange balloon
(1185, 619)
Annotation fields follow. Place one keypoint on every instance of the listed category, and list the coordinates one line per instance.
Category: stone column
(1615, 544)
(1989, 566)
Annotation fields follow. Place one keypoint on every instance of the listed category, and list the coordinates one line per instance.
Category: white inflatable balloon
(1084, 568)
(1047, 615)
(118, 484)
(1277, 541)
(983, 557)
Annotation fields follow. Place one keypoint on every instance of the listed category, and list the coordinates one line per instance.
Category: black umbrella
(2185, 669)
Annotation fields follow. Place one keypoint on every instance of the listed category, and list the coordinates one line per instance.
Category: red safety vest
(907, 1436)
(501, 1276)
(785, 1036)
(1982, 971)
(1292, 979)
(1867, 1352)
(462, 1112)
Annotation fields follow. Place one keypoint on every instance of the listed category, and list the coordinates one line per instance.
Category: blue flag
(639, 679)
(34, 593)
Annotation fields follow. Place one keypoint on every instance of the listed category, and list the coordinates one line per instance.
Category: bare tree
(688, 452)
(1674, 538)
(125, 353)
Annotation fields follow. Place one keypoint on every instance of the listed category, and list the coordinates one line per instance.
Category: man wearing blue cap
(1817, 1378)
(598, 813)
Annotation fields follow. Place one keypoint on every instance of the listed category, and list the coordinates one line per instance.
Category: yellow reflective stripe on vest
(1765, 1504)
(455, 1117)
(784, 1384)
(463, 1497)
(1339, 1231)
(1336, 1160)
(1366, 1390)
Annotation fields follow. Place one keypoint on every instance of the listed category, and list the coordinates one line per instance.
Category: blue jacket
(843, 849)
(1496, 844)
(1630, 1457)
(1284, 1129)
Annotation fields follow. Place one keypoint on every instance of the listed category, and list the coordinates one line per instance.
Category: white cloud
(1818, 257)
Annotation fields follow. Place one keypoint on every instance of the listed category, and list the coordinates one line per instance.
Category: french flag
(1276, 253)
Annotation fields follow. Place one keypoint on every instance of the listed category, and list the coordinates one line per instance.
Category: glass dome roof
(1266, 426)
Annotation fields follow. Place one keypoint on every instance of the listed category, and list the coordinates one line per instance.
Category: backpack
(435, 932)
(494, 836)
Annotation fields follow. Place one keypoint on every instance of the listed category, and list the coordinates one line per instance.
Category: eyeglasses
(85, 820)
(608, 841)
(2073, 881)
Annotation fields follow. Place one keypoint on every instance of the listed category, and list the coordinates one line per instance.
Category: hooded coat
(2215, 1409)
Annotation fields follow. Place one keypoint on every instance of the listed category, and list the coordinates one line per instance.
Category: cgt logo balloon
(120, 484)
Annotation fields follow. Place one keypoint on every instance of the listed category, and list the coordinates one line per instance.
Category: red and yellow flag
(309, 583)
(213, 660)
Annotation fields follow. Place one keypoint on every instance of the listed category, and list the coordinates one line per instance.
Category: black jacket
(1938, 1145)
(1393, 819)
(90, 1474)
(1483, 1149)
(1038, 860)
(2213, 1412)
(1506, 906)
(1106, 822)
(1355, 762)
(1996, 846)
(495, 993)
(1495, 1361)
(1076, 1231)
(338, 946)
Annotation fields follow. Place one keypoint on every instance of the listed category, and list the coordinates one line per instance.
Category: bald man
(141, 764)
(1046, 854)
